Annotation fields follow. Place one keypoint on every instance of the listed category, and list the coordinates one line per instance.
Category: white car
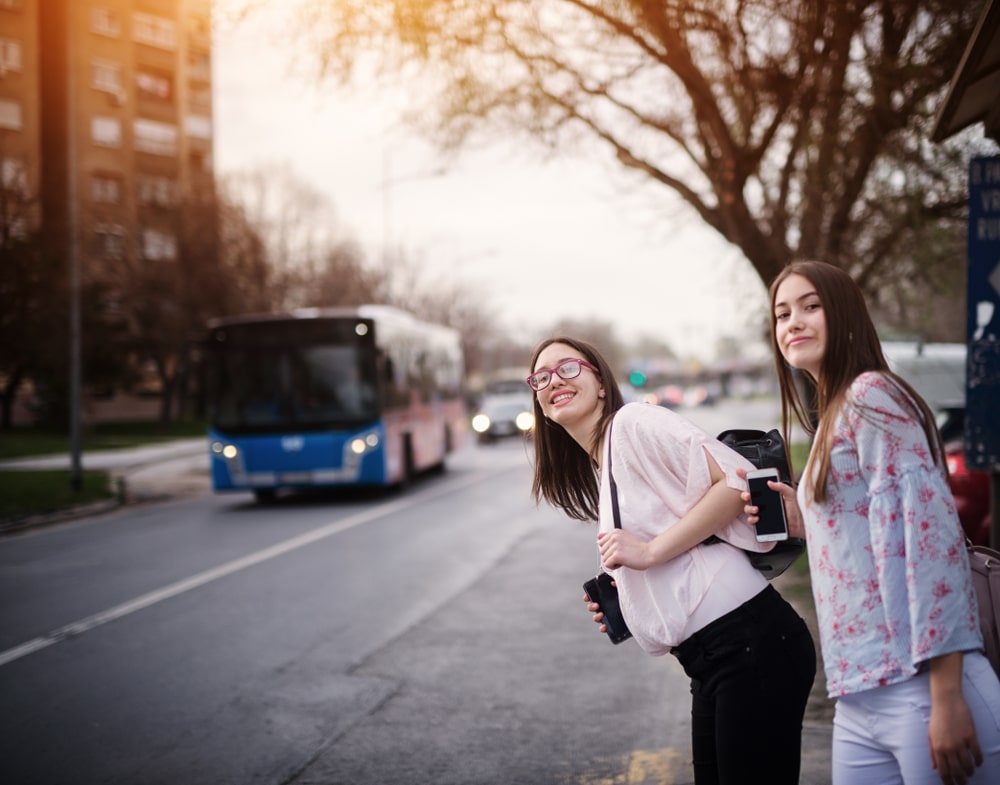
(500, 416)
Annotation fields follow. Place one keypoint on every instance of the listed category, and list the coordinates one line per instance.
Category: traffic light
(637, 378)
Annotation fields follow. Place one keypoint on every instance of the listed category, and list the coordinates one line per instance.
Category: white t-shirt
(661, 470)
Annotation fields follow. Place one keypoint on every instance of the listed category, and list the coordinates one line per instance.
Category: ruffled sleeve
(916, 538)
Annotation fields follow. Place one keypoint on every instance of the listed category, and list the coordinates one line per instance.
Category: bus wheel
(265, 495)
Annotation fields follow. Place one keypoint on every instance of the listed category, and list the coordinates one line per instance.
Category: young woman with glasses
(749, 655)
(917, 701)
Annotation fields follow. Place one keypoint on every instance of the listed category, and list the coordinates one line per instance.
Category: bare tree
(298, 226)
(341, 278)
(792, 127)
(26, 284)
(243, 257)
(166, 296)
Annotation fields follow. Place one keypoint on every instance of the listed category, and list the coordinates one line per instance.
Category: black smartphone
(772, 524)
(601, 591)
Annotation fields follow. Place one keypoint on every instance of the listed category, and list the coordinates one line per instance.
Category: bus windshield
(266, 387)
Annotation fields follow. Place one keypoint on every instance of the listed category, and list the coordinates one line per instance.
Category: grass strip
(27, 493)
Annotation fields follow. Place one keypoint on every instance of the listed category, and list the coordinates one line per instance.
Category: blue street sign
(982, 378)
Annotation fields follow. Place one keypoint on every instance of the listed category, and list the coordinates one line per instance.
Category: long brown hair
(564, 472)
(852, 348)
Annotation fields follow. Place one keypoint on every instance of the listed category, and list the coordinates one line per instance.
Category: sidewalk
(817, 726)
(142, 474)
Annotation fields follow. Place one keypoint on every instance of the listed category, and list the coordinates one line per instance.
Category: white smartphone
(772, 524)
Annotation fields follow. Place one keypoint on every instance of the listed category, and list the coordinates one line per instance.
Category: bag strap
(611, 480)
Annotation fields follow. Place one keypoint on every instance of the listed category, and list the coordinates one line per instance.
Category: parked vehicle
(970, 488)
(937, 372)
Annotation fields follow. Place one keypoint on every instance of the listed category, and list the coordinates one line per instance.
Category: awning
(974, 93)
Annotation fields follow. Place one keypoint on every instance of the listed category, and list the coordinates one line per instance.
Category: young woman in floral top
(917, 701)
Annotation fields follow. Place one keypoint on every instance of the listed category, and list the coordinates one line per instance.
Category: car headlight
(525, 421)
(481, 423)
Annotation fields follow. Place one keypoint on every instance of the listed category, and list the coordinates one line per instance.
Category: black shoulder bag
(765, 451)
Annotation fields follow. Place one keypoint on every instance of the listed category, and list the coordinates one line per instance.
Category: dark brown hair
(564, 472)
(852, 348)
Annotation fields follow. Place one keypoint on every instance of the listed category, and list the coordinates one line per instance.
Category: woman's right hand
(792, 513)
(595, 609)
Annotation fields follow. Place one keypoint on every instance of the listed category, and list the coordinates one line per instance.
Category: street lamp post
(73, 219)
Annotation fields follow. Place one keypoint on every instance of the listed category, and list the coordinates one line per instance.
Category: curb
(18, 525)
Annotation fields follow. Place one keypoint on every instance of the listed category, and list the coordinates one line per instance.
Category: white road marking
(195, 581)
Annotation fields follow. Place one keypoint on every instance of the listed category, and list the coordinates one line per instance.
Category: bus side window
(387, 381)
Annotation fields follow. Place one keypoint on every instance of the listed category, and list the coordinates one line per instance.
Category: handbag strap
(611, 480)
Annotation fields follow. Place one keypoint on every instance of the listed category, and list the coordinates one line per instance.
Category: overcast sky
(573, 237)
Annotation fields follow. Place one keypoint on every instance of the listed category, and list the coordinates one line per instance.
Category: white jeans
(880, 735)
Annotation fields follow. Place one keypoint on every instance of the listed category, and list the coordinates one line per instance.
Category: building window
(106, 75)
(14, 176)
(200, 26)
(10, 55)
(155, 138)
(151, 85)
(199, 162)
(159, 191)
(110, 240)
(10, 115)
(200, 97)
(154, 31)
(198, 127)
(105, 21)
(106, 189)
(158, 246)
(199, 66)
(106, 131)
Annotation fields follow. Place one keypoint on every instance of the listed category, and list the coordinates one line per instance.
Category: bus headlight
(481, 423)
(363, 444)
(227, 451)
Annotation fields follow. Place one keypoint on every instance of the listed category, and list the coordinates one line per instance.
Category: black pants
(751, 672)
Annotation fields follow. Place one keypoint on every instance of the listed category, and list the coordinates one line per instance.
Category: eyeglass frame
(555, 370)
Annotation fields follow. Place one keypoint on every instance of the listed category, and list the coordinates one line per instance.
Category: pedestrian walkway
(122, 460)
(140, 474)
(817, 734)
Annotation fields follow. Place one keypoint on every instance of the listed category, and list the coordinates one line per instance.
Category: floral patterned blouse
(889, 570)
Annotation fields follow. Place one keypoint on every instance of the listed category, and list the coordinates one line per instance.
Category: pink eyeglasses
(567, 369)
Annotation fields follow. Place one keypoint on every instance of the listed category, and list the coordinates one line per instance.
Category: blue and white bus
(330, 397)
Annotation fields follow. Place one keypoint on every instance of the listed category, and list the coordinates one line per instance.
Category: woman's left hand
(621, 549)
(954, 747)
(951, 732)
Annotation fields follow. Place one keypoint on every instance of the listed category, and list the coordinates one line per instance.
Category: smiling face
(576, 404)
(800, 328)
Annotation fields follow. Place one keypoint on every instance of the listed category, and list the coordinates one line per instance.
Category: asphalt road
(431, 636)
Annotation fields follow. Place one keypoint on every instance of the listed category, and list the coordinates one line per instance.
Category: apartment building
(106, 115)
(20, 115)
